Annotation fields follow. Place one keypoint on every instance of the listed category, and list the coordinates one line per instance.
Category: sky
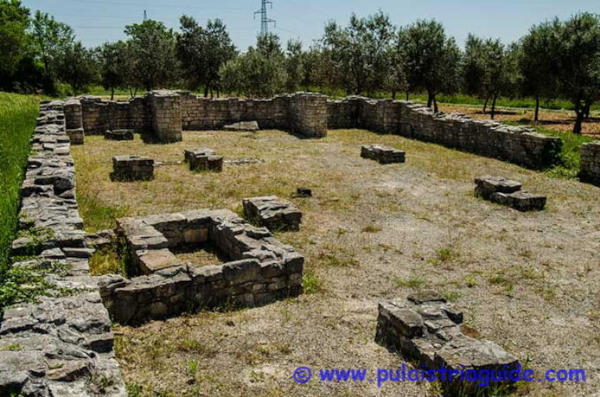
(97, 21)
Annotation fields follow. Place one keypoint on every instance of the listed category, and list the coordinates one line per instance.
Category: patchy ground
(555, 120)
(526, 281)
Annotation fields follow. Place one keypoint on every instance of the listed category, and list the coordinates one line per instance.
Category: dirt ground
(556, 120)
(527, 281)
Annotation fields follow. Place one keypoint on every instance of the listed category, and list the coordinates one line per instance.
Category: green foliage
(432, 59)
(360, 52)
(115, 66)
(77, 67)
(26, 284)
(578, 63)
(260, 72)
(202, 52)
(14, 21)
(17, 121)
(311, 283)
(152, 51)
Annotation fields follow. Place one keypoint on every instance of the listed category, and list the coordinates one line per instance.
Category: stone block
(76, 136)
(246, 126)
(485, 186)
(382, 154)
(119, 135)
(206, 162)
(151, 261)
(189, 153)
(132, 168)
(272, 213)
(521, 200)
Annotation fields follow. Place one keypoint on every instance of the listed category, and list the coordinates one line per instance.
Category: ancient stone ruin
(62, 345)
(426, 330)
(272, 213)
(507, 192)
(382, 154)
(590, 163)
(132, 168)
(166, 113)
(258, 268)
(203, 160)
(245, 126)
(119, 135)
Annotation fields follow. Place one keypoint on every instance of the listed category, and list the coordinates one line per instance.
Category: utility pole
(145, 15)
(264, 19)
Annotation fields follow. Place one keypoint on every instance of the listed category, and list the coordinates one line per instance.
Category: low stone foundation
(62, 345)
(132, 168)
(272, 213)
(203, 160)
(382, 154)
(426, 330)
(259, 270)
(507, 192)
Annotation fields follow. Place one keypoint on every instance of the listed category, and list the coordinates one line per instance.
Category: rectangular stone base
(382, 154)
(521, 201)
(273, 213)
(132, 168)
(206, 163)
(487, 185)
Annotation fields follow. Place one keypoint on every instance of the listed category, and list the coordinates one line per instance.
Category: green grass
(17, 121)
(570, 154)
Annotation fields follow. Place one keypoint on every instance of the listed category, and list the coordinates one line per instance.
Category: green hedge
(17, 121)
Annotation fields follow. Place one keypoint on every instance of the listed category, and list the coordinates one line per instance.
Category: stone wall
(260, 269)
(62, 345)
(310, 115)
(519, 145)
(590, 163)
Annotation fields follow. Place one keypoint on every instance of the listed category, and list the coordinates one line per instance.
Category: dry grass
(526, 281)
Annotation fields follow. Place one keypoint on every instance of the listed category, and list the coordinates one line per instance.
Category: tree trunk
(493, 107)
(429, 100)
(536, 118)
(112, 94)
(586, 110)
(205, 91)
(578, 120)
(218, 93)
(435, 106)
(393, 94)
(211, 93)
(485, 104)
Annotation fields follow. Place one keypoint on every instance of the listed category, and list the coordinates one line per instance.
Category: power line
(264, 19)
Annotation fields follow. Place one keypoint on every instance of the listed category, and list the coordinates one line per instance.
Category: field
(527, 281)
(17, 121)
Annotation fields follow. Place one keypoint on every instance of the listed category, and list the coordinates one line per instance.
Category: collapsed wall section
(61, 345)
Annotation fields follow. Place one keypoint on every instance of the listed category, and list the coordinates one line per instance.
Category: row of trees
(556, 59)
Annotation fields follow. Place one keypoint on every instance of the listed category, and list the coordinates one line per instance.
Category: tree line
(555, 59)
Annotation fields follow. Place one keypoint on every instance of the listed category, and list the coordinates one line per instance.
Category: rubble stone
(382, 154)
(61, 345)
(132, 168)
(272, 213)
(507, 192)
(426, 329)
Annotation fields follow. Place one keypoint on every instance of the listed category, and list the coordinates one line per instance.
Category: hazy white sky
(97, 21)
